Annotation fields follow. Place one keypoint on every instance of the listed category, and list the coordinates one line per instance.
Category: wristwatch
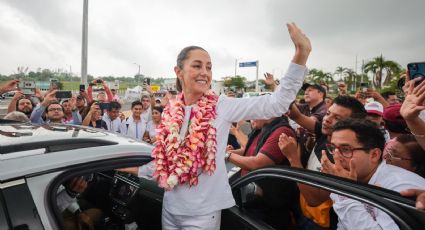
(227, 155)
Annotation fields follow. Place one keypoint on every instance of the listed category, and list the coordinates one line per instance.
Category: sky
(127, 33)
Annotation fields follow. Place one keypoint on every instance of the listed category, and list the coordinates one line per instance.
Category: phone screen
(147, 81)
(63, 94)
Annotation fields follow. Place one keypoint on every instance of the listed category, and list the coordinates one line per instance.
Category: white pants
(210, 221)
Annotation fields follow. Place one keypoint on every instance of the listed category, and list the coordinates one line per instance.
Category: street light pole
(84, 43)
(138, 72)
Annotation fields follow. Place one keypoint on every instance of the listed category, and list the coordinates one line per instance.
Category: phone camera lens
(414, 67)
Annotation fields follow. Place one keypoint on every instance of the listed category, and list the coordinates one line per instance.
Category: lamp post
(84, 43)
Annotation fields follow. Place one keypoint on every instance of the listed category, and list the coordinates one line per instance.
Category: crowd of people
(366, 137)
(103, 111)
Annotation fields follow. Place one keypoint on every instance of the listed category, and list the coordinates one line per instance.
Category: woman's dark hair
(368, 133)
(356, 107)
(183, 55)
(134, 103)
(158, 108)
(417, 154)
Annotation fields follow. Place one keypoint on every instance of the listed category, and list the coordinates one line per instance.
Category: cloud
(47, 33)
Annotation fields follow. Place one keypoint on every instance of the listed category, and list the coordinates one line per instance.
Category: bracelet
(417, 135)
(71, 193)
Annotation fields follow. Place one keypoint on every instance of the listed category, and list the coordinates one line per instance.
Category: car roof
(27, 149)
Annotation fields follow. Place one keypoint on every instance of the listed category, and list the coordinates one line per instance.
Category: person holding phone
(54, 111)
(101, 97)
(197, 123)
(94, 119)
(153, 124)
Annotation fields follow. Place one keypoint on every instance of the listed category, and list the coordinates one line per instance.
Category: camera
(27, 87)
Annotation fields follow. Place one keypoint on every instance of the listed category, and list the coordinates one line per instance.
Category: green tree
(340, 72)
(379, 66)
(319, 76)
(237, 82)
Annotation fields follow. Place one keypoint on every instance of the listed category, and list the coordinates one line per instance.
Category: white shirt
(213, 192)
(113, 126)
(353, 214)
(147, 114)
(150, 127)
(132, 129)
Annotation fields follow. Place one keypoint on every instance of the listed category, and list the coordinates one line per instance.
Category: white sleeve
(266, 106)
(146, 171)
(355, 215)
(63, 200)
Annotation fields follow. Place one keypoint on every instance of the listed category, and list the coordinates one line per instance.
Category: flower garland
(177, 160)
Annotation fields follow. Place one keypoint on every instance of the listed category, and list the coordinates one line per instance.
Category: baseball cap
(315, 86)
(392, 114)
(374, 107)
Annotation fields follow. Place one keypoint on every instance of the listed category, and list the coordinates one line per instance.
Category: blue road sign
(248, 64)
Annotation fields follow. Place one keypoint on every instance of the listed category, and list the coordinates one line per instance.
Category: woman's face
(196, 73)
(156, 115)
(400, 156)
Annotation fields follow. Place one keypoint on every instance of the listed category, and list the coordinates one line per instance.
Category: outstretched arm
(276, 104)
(412, 106)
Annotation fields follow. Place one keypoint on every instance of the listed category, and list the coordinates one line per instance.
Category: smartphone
(416, 70)
(82, 87)
(147, 81)
(104, 106)
(364, 86)
(54, 84)
(63, 94)
(99, 81)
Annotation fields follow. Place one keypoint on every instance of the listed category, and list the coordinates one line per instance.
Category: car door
(44, 186)
(17, 208)
(400, 209)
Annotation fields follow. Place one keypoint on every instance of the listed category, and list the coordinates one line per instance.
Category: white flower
(172, 180)
(179, 171)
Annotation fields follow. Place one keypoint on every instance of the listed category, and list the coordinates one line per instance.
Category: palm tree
(340, 71)
(377, 66)
(318, 76)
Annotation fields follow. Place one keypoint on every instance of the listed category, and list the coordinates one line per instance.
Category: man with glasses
(315, 203)
(54, 111)
(356, 146)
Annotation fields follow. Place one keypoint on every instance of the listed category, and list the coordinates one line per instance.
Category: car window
(20, 207)
(111, 200)
(277, 202)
